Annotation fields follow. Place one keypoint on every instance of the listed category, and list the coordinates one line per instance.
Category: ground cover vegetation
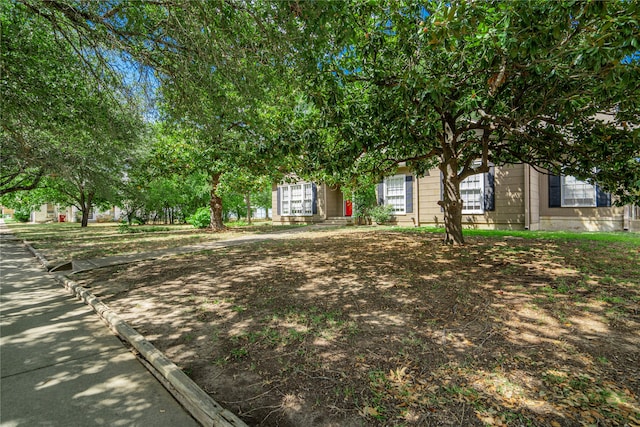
(64, 242)
(385, 327)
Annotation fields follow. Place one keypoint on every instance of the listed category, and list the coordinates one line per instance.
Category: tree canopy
(448, 84)
(62, 125)
(346, 91)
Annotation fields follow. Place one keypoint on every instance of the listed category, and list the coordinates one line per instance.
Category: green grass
(64, 241)
(610, 237)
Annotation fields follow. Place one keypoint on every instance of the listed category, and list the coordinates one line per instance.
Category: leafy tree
(38, 87)
(240, 186)
(262, 198)
(447, 84)
(221, 93)
(51, 98)
(26, 201)
(215, 67)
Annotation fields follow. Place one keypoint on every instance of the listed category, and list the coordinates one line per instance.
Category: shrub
(200, 219)
(22, 216)
(381, 214)
(364, 199)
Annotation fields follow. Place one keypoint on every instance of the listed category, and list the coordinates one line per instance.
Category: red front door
(348, 208)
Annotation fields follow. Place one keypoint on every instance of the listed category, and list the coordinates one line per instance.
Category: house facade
(308, 202)
(515, 197)
(51, 212)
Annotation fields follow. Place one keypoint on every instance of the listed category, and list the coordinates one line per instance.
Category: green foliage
(364, 200)
(21, 216)
(59, 119)
(381, 214)
(201, 218)
(444, 84)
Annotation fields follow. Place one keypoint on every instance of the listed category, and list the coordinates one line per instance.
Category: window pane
(471, 193)
(395, 193)
(296, 192)
(296, 207)
(577, 193)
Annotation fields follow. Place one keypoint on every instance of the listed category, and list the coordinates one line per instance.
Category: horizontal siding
(509, 200)
(556, 223)
(534, 197)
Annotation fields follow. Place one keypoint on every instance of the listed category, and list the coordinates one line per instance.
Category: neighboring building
(507, 197)
(53, 213)
(6, 212)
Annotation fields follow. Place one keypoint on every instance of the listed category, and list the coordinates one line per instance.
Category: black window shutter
(603, 199)
(408, 181)
(314, 203)
(490, 189)
(278, 198)
(555, 197)
(381, 193)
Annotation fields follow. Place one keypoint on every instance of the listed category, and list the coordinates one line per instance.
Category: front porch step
(338, 220)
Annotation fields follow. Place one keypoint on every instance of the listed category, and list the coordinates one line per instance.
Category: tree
(62, 125)
(221, 93)
(463, 85)
(215, 64)
(241, 186)
(38, 87)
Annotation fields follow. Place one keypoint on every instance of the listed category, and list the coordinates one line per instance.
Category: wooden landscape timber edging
(200, 405)
(45, 263)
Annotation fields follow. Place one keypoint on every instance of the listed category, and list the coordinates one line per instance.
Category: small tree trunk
(247, 200)
(215, 204)
(85, 204)
(85, 217)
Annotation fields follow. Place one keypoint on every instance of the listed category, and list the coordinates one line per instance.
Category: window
(472, 194)
(576, 193)
(394, 193)
(296, 199)
(569, 192)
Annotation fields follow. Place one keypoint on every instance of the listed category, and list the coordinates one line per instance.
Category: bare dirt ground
(389, 328)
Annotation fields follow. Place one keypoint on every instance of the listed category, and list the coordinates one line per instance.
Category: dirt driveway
(391, 328)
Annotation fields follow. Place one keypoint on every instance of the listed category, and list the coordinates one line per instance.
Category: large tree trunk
(247, 200)
(451, 203)
(215, 204)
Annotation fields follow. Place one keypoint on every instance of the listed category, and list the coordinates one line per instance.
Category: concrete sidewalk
(60, 365)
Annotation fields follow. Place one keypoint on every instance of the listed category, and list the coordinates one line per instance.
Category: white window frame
(399, 208)
(302, 197)
(478, 181)
(575, 183)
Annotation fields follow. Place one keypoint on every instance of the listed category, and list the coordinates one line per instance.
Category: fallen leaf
(368, 410)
